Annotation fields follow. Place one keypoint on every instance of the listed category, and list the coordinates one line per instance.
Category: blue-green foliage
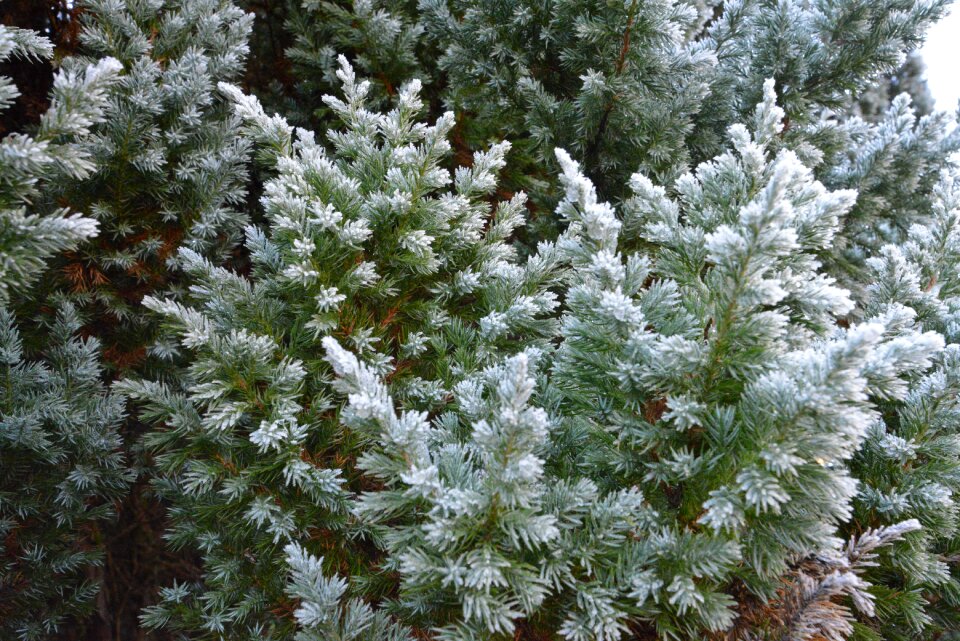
(30, 164)
(701, 384)
(61, 468)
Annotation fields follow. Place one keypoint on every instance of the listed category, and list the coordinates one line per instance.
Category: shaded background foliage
(58, 21)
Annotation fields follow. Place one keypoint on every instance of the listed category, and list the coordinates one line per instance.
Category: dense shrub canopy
(468, 320)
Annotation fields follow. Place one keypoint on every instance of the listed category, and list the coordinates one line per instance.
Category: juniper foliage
(373, 242)
(699, 359)
(382, 39)
(170, 161)
(819, 53)
(61, 463)
(895, 164)
(62, 467)
(909, 79)
(28, 164)
(906, 464)
(701, 384)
